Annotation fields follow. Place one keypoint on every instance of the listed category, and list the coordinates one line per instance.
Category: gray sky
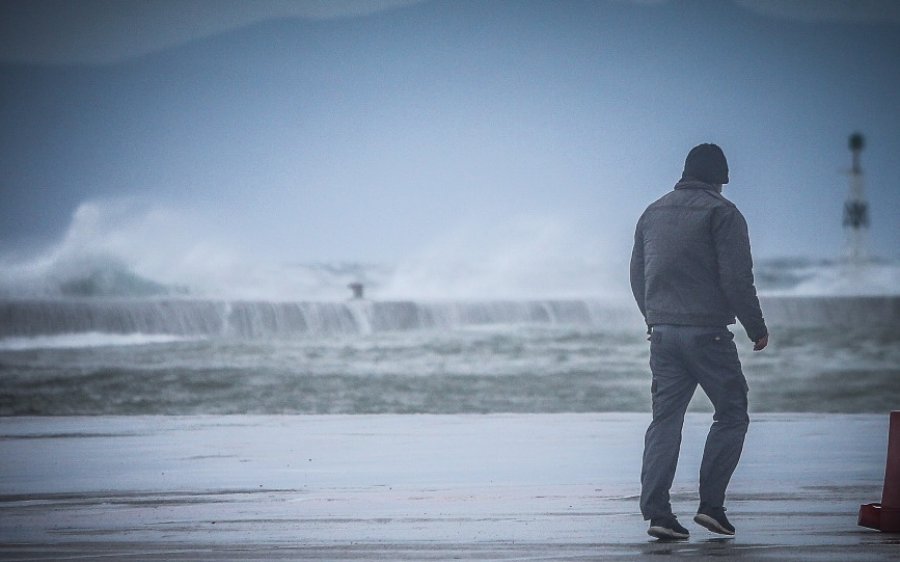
(384, 131)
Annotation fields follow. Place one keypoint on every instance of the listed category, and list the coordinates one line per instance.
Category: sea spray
(127, 249)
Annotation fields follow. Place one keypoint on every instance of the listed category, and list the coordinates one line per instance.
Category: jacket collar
(688, 183)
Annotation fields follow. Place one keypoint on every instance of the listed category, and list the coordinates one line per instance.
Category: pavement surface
(393, 487)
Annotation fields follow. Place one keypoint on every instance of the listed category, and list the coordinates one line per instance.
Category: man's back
(691, 263)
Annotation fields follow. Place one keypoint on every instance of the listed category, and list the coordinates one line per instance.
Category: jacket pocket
(723, 336)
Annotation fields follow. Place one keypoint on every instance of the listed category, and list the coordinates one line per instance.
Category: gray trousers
(681, 357)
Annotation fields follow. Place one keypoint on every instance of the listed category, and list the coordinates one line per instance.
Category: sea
(103, 340)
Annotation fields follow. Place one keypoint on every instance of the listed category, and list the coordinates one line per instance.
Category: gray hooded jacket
(691, 262)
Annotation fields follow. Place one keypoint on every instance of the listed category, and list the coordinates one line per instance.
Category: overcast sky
(385, 131)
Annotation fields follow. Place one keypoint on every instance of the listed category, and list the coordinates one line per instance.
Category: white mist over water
(118, 241)
(838, 278)
(519, 258)
(127, 248)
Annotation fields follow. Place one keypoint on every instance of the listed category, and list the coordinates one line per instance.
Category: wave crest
(125, 249)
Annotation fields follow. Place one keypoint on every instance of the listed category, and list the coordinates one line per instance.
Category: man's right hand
(761, 343)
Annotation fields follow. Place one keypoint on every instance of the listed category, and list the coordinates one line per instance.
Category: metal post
(856, 209)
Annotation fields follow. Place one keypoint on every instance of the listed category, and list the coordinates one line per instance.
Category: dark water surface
(146, 356)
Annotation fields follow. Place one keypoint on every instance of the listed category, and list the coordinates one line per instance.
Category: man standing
(691, 274)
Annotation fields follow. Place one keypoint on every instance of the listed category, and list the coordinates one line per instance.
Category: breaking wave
(124, 250)
(804, 277)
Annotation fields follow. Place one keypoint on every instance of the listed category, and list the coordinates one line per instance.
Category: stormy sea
(99, 339)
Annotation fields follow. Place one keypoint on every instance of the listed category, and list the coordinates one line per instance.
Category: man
(691, 274)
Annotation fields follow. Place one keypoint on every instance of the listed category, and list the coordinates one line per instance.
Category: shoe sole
(711, 524)
(663, 533)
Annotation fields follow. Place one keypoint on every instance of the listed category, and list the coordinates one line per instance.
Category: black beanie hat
(706, 162)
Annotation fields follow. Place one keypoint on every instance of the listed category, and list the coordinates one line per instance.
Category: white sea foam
(129, 249)
(132, 249)
(525, 257)
(843, 279)
(84, 340)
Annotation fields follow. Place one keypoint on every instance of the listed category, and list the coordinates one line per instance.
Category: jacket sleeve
(735, 263)
(638, 287)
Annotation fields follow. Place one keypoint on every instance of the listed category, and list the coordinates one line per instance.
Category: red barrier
(885, 516)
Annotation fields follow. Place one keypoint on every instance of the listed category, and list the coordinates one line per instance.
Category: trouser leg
(672, 389)
(718, 370)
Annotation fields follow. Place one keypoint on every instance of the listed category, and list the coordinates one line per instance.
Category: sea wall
(263, 319)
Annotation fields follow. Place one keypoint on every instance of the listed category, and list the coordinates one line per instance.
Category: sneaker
(667, 528)
(713, 518)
